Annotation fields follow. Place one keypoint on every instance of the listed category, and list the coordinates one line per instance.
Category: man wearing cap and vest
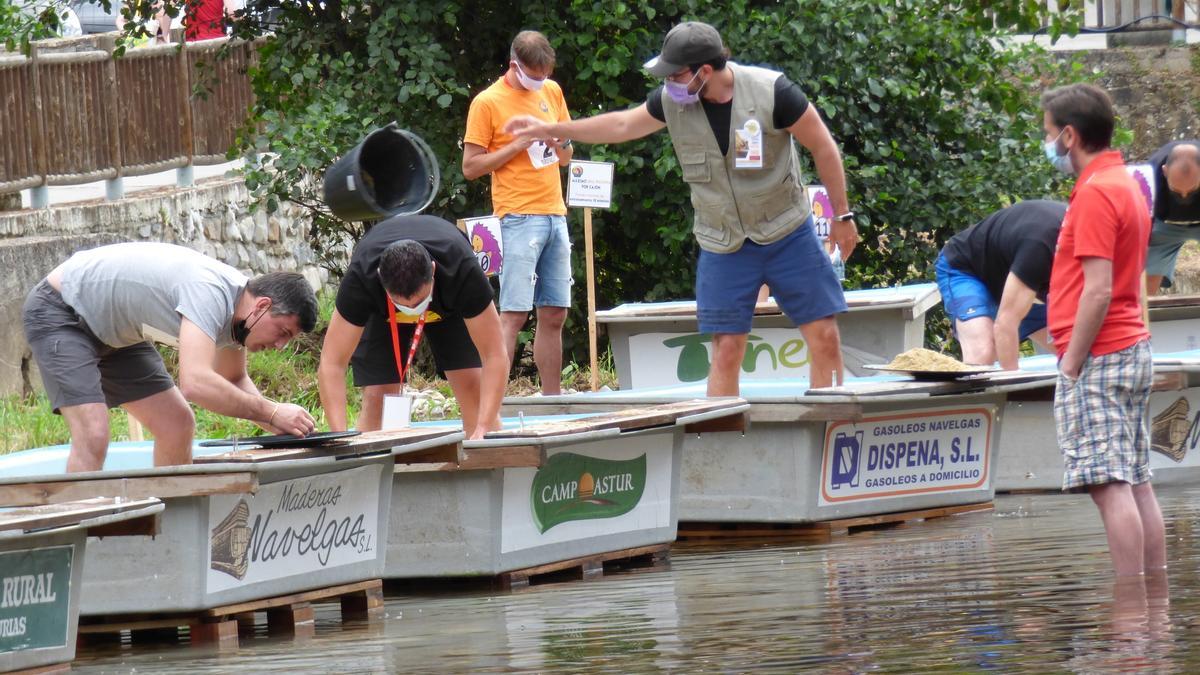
(733, 128)
(408, 277)
(527, 198)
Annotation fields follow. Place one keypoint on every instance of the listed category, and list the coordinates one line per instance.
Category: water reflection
(1026, 588)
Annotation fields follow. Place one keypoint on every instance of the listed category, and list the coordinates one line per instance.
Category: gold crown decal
(230, 542)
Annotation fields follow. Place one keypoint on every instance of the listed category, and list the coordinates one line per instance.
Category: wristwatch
(849, 215)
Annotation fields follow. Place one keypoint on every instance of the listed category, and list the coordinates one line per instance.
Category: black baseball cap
(689, 43)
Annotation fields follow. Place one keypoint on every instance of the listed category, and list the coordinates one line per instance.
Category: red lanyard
(412, 350)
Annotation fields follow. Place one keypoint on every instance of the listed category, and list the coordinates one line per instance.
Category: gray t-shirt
(118, 289)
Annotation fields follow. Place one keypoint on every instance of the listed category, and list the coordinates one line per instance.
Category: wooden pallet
(588, 567)
(286, 615)
(823, 529)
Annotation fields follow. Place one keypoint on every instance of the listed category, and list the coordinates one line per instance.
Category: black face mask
(241, 331)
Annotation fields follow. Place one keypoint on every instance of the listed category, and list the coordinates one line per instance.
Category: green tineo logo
(576, 487)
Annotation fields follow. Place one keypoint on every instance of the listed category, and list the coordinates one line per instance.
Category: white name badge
(748, 146)
(542, 155)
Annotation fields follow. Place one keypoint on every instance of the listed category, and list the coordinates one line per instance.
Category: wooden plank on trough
(364, 444)
(503, 457)
(450, 452)
(805, 412)
(629, 419)
(139, 487)
(59, 515)
(1157, 301)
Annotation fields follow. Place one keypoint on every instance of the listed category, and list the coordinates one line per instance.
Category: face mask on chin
(241, 331)
(527, 81)
(679, 92)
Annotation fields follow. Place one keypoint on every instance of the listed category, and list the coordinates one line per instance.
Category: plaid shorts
(1102, 419)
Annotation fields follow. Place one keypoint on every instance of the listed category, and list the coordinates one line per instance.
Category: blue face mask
(1061, 162)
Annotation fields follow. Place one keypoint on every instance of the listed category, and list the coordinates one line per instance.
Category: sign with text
(35, 598)
(590, 184)
(487, 242)
(578, 496)
(663, 359)
(292, 527)
(906, 454)
(822, 209)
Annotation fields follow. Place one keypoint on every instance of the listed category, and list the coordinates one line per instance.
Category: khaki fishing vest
(731, 204)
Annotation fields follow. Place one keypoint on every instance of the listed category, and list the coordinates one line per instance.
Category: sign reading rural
(35, 598)
(913, 453)
(294, 527)
(580, 495)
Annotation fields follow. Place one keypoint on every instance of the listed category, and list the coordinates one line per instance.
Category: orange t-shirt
(518, 186)
(1106, 218)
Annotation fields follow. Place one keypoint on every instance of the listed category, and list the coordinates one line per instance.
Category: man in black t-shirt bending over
(422, 271)
(1176, 209)
(990, 276)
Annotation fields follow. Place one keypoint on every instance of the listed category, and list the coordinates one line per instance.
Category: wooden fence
(73, 113)
(1114, 13)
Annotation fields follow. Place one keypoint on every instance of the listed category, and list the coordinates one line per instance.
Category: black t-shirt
(1168, 206)
(460, 288)
(790, 104)
(1019, 239)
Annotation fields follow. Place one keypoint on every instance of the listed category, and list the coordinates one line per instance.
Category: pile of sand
(925, 359)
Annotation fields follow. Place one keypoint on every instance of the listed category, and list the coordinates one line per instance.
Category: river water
(1025, 588)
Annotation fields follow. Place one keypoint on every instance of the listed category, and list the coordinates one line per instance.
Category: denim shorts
(537, 262)
(965, 297)
(796, 268)
(1165, 241)
(1101, 419)
(78, 368)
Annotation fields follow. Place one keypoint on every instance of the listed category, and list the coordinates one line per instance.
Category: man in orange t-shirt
(527, 197)
(1095, 321)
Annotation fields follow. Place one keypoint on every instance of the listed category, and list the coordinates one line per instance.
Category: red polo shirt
(1106, 218)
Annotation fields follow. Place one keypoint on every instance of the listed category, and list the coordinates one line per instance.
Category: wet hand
(292, 419)
(844, 233)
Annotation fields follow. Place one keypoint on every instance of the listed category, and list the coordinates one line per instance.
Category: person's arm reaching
(1093, 307)
(1014, 305)
(811, 132)
(612, 127)
(203, 385)
(477, 161)
(341, 339)
(486, 333)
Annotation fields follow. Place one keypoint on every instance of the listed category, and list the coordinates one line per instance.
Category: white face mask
(419, 309)
(527, 81)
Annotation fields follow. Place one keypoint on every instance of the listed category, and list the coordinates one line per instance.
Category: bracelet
(271, 419)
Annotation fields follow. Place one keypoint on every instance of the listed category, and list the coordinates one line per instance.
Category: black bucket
(391, 172)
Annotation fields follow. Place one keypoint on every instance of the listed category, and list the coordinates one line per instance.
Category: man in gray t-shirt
(90, 321)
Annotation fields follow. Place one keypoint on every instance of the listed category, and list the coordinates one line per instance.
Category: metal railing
(73, 113)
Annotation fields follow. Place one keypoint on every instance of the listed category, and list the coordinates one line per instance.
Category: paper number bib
(542, 155)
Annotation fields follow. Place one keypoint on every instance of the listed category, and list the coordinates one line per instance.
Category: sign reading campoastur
(292, 527)
(35, 598)
(906, 454)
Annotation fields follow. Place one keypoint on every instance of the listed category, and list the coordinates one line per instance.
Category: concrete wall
(213, 218)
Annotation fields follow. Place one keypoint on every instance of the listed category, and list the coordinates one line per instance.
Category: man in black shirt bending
(1176, 209)
(992, 274)
(411, 275)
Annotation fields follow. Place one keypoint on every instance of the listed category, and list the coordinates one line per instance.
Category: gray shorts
(1165, 241)
(76, 366)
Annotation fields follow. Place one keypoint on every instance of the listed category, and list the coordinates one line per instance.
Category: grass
(289, 374)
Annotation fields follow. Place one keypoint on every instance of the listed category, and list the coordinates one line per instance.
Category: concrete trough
(552, 489)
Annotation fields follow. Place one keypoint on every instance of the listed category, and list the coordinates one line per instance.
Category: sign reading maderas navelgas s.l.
(898, 455)
(293, 527)
(35, 598)
(578, 487)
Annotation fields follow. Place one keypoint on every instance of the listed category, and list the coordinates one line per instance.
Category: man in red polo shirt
(1095, 321)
